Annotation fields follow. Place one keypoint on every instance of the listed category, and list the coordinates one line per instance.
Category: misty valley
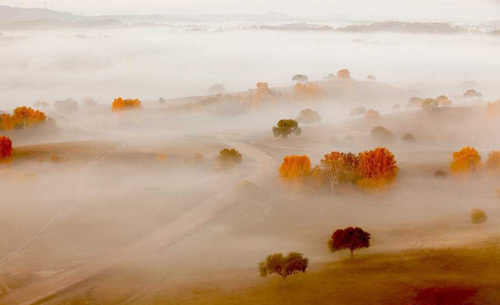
(248, 159)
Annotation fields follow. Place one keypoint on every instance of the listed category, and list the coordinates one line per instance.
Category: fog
(136, 206)
(151, 63)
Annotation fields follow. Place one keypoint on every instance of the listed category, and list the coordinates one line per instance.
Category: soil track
(162, 238)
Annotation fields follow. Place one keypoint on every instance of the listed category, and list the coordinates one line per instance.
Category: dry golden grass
(425, 277)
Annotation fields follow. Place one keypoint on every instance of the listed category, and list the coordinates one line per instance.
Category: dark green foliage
(283, 266)
(284, 128)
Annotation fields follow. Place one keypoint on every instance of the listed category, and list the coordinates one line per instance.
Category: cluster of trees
(308, 116)
(467, 162)
(373, 170)
(5, 147)
(428, 103)
(350, 238)
(228, 158)
(305, 91)
(120, 104)
(286, 127)
(22, 117)
(471, 93)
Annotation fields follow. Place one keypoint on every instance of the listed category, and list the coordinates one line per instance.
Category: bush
(120, 104)
(229, 157)
(383, 134)
(409, 138)
(478, 216)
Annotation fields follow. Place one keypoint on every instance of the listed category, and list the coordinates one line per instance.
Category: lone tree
(229, 157)
(308, 116)
(349, 238)
(466, 161)
(284, 128)
(217, 89)
(5, 147)
(283, 266)
(162, 101)
(471, 93)
(300, 78)
(344, 74)
(371, 114)
(358, 111)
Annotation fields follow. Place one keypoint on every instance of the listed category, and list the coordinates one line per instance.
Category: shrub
(409, 138)
(478, 216)
(382, 134)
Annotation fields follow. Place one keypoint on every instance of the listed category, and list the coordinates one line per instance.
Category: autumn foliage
(340, 167)
(371, 170)
(22, 117)
(120, 104)
(466, 161)
(378, 169)
(5, 147)
(295, 170)
(302, 91)
(344, 74)
(478, 216)
(349, 239)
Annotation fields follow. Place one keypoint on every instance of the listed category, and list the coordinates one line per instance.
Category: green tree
(300, 78)
(229, 157)
(284, 128)
(283, 266)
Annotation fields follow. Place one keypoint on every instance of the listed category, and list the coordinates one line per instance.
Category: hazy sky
(467, 10)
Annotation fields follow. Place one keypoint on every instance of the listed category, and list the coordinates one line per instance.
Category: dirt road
(166, 236)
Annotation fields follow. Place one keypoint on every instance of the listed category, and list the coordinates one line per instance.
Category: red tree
(349, 238)
(5, 147)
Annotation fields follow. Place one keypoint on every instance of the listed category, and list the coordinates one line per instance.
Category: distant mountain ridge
(15, 14)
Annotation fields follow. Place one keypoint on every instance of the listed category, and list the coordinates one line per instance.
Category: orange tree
(295, 170)
(378, 169)
(22, 117)
(466, 161)
(302, 91)
(120, 104)
(5, 147)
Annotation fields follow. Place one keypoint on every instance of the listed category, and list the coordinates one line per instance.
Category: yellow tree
(493, 163)
(466, 161)
(340, 167)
